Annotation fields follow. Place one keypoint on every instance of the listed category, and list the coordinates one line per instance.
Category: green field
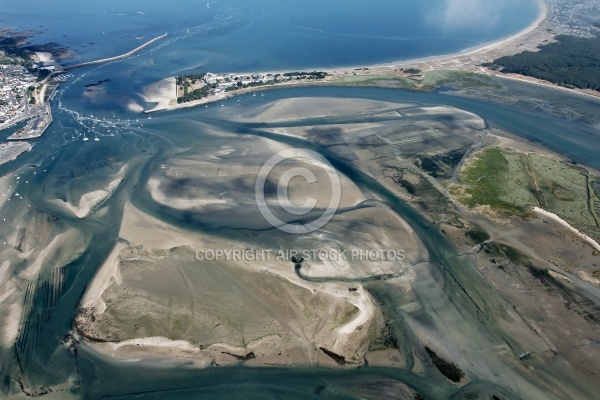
(430, 81)
(378, 81)
(513, 183)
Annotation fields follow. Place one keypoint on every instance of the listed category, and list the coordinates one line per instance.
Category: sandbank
(162, 93)
(90, 201)
(565, 224)
(145, 232)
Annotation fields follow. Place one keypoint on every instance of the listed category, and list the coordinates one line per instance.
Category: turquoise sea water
(245, 35)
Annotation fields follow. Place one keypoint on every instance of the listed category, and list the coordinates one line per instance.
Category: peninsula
(416, 74)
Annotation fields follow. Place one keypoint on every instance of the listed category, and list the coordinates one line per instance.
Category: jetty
(115, 58)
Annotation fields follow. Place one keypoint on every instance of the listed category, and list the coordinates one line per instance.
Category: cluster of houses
(227, 82)
(14, 103)
(575, 17)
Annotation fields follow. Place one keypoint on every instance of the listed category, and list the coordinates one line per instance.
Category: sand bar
(564, 223)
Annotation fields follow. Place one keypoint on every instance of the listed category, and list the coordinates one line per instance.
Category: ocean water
(243, 36)
(234, 35)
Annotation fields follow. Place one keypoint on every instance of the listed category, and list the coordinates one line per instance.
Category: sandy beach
(162, 93)
(565, 224)
(528, 39)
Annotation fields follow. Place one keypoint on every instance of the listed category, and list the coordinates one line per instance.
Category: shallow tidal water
(228, 36)
(144, 145)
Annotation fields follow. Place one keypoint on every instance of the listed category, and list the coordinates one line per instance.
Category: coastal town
(574, 18)
(23, 94)
(197, 86)
(28, 80)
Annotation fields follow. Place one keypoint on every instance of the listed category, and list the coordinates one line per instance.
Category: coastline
(541, 17)
(460, 61)
(568, 226)
(41, 116)
(29, 63)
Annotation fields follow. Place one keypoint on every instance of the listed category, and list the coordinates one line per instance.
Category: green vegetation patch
(348, 314)
(6, 60)
(430, 80)
(458, 79)
(572, 61)
(192, 78)
(488, 180)
(379, 81)
(512, 183)
(193, 95)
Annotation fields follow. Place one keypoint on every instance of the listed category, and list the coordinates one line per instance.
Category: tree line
(571, 62)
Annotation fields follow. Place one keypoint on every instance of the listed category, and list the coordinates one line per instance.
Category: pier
(115, 58)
